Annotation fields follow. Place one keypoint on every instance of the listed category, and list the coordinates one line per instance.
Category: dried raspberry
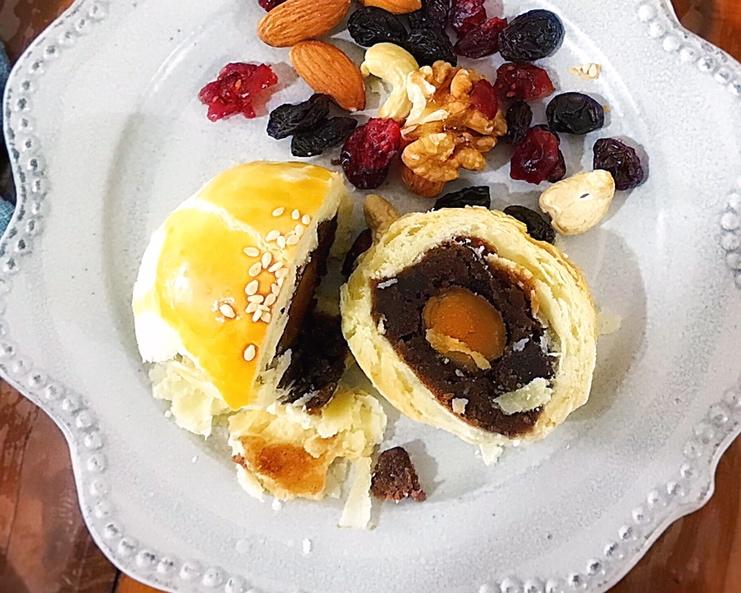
(236, 90)
(523, 82)
(270, 4)
(484, 98)
(369, 151)
(481, 41)
(537, 158)
(466, 15)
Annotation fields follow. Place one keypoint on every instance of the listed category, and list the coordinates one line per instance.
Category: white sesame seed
(267, 257)
(275, 267)
(298, 230)
(252, 251)
(250, 352)
(272, 236)
(305, 219)
(255, 298)
(266, 317)
(270, 299)
(251, 308)
(281, 241)
(227, 311)
(255, 269)
(256, 315)
(275, 288)
(292, 240)
(278, 212)
(295, 214)
(280, 281)
(252, 288)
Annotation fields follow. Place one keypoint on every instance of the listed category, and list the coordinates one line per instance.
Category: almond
(419, 185)
(296, 20)
(395, 6)
(328, 70)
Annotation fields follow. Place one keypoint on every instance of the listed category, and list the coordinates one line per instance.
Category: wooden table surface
(45, 548)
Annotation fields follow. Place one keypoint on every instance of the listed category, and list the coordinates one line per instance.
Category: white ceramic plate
(107, 135)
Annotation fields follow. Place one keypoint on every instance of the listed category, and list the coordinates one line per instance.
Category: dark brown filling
(317, 361)
(318, 350)
(461, 263)
(307, 282)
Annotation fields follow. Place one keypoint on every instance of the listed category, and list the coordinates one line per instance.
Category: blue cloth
(6, 208)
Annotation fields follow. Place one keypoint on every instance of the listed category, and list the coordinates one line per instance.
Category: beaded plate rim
(690, 488)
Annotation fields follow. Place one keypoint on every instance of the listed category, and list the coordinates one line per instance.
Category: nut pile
(437, 118)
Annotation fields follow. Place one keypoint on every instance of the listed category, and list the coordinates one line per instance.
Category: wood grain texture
(40, 524)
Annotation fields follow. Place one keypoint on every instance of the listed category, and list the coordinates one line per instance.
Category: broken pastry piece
(464, 322)
(394, 477)
(290, 453)
(225, 286)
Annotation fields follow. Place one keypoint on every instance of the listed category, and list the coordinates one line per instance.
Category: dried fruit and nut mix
(436, 118)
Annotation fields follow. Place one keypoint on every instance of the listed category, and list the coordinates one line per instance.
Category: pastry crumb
(306, 546)
(590, 71)
(608, 322)
(459, 405)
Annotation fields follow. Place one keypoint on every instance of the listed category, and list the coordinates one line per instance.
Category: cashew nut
(379, 214)
(580, 202)
(391, 64)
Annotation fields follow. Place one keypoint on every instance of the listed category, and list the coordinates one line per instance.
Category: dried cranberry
(369, 151)
(621, 161)
(477, 195)
(538, 157)
(575, 113)
(270, 4)
(537, 226)
(484, 98)
(481, 41)
(289, 119)
(370, 25)
(329, 133)
(531, 36)
(466, 15)
(519, 118)
(236, 89)
(523, 82)
(428, 45)
(433, 14)
(362, 243)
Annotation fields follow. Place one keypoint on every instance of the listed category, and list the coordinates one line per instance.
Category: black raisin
(433, 14)
(519, 118)
(575, 113)
(362, 243)
(531, 36)
(537, 226)
(429, 45)
(288, 119)
(371, 25)
(330, 133)
(477, 195)
(621, 161)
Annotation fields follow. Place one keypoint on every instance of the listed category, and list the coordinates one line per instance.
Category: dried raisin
(531, 36)
(329, 133)
(369, 151)
(270, 4)
(523, 82)
(288, 119)
(482, 40)
(621, 161)
(519, 118)
(433, 14)
(428, 45)
(537, 226)
(575, 113)
(478, 195)
(371, 25)
(537, 157)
